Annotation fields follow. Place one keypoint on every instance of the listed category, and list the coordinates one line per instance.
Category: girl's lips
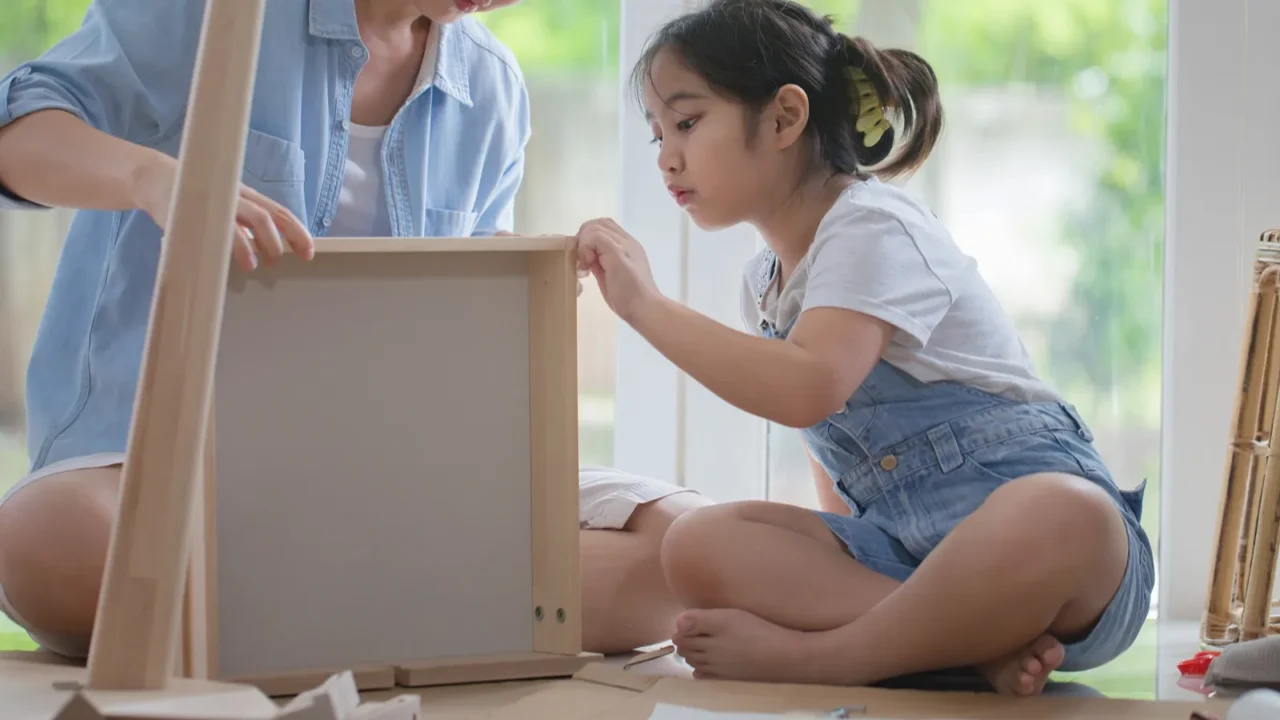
(682, 196)
(466, 6)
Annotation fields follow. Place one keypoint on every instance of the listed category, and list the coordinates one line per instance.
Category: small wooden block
(525, 666)
(377, 677)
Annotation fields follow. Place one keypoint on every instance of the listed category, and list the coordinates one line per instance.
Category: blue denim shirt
(454, 159)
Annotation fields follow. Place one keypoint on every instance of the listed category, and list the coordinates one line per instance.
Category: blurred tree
(1109, 58)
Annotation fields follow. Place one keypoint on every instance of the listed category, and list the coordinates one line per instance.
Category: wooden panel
(554, 422)
(373, 462)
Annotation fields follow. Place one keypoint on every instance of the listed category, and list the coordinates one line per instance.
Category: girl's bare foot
(737, 645)
(1025, 672)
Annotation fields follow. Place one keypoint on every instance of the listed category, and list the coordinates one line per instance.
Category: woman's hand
(263, 227)
(620, 266)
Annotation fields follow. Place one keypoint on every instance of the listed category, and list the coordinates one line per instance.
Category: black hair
(749, 49)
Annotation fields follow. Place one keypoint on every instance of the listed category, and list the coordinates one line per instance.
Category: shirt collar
(336, 20)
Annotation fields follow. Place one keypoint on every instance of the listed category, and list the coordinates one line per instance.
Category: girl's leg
(778, 561)
(782, 563)
(1044, 554)
(53, 548)
(625, 600)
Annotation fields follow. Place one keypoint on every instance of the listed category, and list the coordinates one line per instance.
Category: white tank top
(362, 202)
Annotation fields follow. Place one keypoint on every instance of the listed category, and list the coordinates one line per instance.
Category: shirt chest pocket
(276, 168)
(449, 223)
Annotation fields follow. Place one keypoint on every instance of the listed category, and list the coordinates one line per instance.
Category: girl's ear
(789, 114)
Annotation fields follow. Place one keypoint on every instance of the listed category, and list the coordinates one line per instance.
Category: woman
(343, 87)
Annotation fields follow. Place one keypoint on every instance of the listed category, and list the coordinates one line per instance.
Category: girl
(967, 519)
(342, 85)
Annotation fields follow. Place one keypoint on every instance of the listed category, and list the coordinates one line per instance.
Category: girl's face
(720, 164)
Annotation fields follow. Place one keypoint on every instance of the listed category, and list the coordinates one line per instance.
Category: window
(568, 50)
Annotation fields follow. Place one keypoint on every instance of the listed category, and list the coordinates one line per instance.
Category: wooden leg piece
(137, 626)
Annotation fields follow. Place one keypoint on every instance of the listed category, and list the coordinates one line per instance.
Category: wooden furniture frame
(180, 488)
(426, 385)
(1239, 604)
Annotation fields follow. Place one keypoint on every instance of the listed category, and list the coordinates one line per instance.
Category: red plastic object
(1198, 665)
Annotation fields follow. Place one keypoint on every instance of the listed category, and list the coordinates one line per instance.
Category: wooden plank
(140, 606)
(553, 408)
(460, 671)
(500, 243)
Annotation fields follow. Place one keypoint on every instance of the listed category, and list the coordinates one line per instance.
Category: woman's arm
(55, 159)
(77, 124)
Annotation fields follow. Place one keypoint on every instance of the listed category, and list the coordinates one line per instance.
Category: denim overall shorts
(912, 460)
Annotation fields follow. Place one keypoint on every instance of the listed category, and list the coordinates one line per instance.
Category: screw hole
(560, 614)
(537, 612)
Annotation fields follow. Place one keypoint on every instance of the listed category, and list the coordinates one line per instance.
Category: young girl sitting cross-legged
(967, 520)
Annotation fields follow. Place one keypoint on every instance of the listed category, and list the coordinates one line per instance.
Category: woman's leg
(625, 600)
(53, 548)
(1044, 554)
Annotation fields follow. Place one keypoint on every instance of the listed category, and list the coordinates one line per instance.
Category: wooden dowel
(140, 606)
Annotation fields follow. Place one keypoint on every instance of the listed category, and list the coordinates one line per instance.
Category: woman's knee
(53, 544)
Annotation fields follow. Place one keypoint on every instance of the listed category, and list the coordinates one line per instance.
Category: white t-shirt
(362, 203)
(880, 252)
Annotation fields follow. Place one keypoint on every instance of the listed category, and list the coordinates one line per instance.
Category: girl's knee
(1063, 521)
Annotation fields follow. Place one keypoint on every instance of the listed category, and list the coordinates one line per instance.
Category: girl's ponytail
(884, 81)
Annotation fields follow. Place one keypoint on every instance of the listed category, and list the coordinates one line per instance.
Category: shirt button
(328, 220)
(345, 124)
(357, 51)
(888, 462)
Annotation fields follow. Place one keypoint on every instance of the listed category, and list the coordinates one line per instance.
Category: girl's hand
(620, 266)
(263, 227)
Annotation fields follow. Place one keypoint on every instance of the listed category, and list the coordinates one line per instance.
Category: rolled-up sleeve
(125, 71)
(497, 212)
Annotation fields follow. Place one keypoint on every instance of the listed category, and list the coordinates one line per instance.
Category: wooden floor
(27, 692)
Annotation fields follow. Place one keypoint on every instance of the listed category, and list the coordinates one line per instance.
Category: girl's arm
(797, 382)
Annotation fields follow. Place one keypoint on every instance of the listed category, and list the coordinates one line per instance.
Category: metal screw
(537, 612)
(560, 614)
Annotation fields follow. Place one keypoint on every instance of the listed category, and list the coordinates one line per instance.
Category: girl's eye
(656, 141)
(686, 125)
